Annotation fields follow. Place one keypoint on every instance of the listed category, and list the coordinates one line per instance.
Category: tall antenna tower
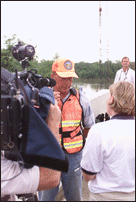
(107, 33)
(100, 49)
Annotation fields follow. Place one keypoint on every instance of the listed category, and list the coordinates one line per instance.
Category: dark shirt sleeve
(88, 172)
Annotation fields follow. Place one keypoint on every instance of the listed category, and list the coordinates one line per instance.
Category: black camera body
(23, 53)
(25, 103)
(13, 102)
(12, 119)
(34, 80)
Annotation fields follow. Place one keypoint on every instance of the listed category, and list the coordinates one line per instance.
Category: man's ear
(111, 99)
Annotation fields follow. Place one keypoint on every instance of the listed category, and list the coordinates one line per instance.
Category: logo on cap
(68, 65)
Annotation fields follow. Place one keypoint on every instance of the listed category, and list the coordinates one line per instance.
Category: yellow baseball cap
(64, 68)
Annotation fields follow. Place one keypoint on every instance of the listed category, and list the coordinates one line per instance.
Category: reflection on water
(95, 84)
(91, 87)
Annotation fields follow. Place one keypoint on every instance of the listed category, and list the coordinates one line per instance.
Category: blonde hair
(124, 97)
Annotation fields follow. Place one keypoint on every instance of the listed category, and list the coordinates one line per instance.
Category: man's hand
(53, 119)
(57, 96)
(54, 114)
(50, 178)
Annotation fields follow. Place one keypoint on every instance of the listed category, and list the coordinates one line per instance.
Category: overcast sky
(71, 28)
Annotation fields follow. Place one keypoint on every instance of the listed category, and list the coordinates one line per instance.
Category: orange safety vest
(71, 135)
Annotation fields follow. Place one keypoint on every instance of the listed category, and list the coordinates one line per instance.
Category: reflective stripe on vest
(70, 124)
(73, 146)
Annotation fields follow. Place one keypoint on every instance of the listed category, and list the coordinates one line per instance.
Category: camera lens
(29, 50)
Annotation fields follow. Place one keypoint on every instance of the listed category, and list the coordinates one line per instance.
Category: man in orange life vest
(76, 120)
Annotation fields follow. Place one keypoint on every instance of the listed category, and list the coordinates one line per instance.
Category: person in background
(76, 120)
(126, 73)
(35, 178)
(108, 161)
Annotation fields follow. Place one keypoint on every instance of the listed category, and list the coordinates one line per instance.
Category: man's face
(62, 84)
(125, 63)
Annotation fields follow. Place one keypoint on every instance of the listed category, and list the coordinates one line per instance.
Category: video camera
(25, 103)
(23, 53)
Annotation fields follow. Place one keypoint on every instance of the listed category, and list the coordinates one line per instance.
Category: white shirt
(129, 75)
(110, 152)
(26, 182)
(89, 118)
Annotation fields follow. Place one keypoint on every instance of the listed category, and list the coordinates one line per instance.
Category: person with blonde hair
(108, 161)
(126, 73)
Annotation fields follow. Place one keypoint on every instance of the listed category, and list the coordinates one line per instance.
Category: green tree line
(84, 70)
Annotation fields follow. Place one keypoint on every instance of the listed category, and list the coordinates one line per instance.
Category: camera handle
(25, 64)
(35, 97)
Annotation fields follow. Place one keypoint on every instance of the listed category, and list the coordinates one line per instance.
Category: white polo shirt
(129, 75)
(110, 152)
(25, 182)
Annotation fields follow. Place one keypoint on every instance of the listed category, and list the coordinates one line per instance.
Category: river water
(92, 88)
